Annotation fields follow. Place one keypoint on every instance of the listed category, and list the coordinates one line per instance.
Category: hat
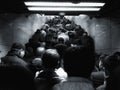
(18, 46)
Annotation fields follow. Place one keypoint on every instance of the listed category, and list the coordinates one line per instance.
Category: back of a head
(78, 61)
(88, 42)
(61, 14)
(17, 46)
(61, 48)
(17, 49)
(40, 51)
(61, 40)
(42, 35)
(50, 59)
(63, 36)
(71, 34)
(37, 63)
(111, 62)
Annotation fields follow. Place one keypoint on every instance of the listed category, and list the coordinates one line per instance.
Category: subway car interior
(80, 37)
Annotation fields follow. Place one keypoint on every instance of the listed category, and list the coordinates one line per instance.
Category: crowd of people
(59, 56)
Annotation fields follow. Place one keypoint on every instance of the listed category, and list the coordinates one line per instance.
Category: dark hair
(15, 49)
(17, 45)
(111, 62)
(50, 59)
(79, 61)
(61, 48)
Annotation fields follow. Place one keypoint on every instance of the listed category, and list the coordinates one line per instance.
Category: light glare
(61, 9)
(86, 4)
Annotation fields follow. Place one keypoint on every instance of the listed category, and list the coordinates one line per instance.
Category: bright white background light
(64, 6)
(61, 9)
(87, 4)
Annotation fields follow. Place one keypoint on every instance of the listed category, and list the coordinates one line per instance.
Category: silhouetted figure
(15, 55)
(111, 64)
(14, 77)
(48, 77)
(113, 82)
(78, 63)
(37, 61)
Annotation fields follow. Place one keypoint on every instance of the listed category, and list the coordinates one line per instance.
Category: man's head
(61, 14)
(50, 59)
(19, 49)
(40, 51)
(78, 61)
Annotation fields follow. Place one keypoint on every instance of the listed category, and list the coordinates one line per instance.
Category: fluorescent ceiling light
(63, 6)
(87, 4)
(61, 9)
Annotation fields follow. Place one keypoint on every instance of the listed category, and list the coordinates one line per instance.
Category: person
(49, 76)
(98, 76)
(14, 77)
(112, 67)
(61, 48)
(113, 82)
(15, 55)
(63, 38)
(37, 61)
(78, 63)
(110, 63)
(14, 71)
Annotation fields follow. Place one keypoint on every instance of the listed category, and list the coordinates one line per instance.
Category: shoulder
(74, 84)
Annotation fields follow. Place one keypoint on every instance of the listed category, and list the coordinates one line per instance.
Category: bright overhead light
(61, 9)
(63, 6)
(86, 4)
(92, 4)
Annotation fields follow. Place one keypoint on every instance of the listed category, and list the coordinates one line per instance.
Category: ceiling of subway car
(111, 7)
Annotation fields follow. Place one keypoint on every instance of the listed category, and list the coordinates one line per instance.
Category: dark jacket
(12, 58)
